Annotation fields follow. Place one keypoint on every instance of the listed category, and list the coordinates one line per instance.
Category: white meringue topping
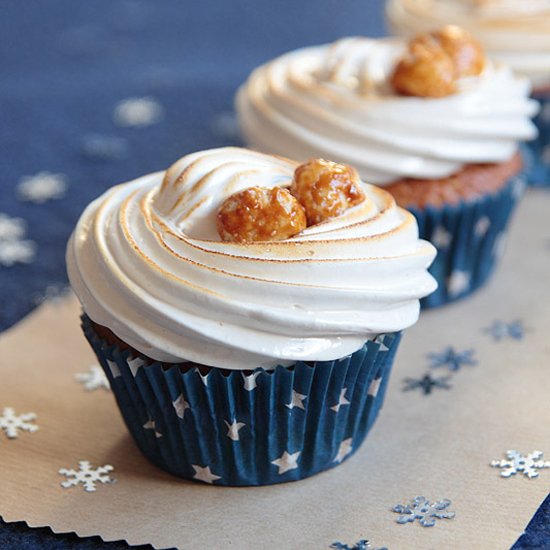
(145, 260)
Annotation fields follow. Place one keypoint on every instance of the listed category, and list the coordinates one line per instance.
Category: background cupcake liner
(537, 154)
(249, 428)
(469, 238)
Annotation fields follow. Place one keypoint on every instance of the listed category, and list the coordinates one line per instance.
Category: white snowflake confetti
(42, 187)
(12, 424)
(94, 379)
(87, 476)
(52, 294)
(104, 147)
(424, 511)
(11, 228)
(527, 465)
(138, 112)
(13, 252)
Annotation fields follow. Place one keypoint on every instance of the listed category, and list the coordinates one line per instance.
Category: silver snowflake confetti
(94, 379)
(87, 476)
(427, 383)
(426, 512)
(11, 228)
(16, 252)
(42, 187)
(452, 359)
(138, 112)
(12, 424)
(528, 465)
(362, 544)
(500, 330)
(104, 147)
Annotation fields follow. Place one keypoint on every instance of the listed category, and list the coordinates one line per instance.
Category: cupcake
(516, 32)
(442, 132)
(247, 310)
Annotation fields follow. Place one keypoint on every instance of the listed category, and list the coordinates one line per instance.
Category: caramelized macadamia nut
(425, 71)
(465, 51)
(260, 214)
(326, 189)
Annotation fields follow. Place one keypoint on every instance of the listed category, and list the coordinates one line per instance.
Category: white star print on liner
(296, 401)
(441, 238)
(12, 423)
(380, 340)
(341, 400)
(233, 429)
(287, 462)
(180, 405)
(138, 112)
(344, 450)
(482, 226)
(374, 387)
(87, 476)
(150, 425)
(204, 474)
(204, 378)
(94, 379)
(42, 187)
(458, 282)
(250, 380)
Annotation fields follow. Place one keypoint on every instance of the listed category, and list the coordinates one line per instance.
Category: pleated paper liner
(469, 238)
(538, 150)
(249, 428)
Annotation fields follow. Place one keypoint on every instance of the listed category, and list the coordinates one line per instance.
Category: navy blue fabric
(65, 65)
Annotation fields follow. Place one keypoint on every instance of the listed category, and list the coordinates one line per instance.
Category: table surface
(66, 65)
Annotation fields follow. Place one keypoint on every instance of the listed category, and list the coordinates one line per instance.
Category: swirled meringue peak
(335, 101)
(516, 32)
(146, 261)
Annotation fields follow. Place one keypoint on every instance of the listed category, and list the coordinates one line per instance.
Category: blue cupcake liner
(469, 238)
(248, 428)
(537, 154)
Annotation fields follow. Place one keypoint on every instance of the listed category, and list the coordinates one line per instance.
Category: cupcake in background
(515, 32)
(247, 310)
(433, 120)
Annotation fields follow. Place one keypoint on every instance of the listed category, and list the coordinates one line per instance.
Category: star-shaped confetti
(451, 359)
(500, 330)
(427, 383)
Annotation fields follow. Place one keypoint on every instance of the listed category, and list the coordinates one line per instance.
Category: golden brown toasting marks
(435, 61)
(320, 190)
